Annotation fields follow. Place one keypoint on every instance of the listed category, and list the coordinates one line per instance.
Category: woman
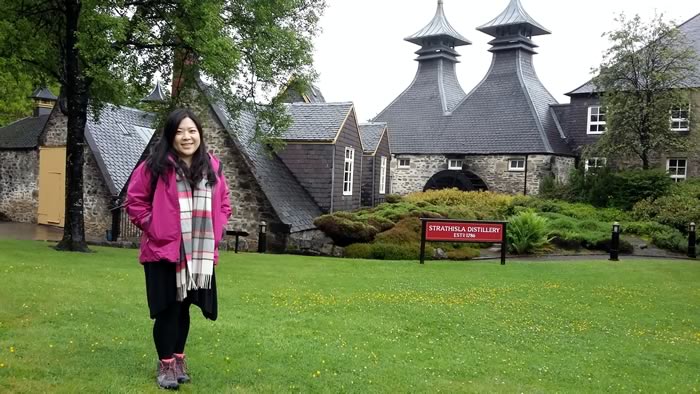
(179, 198)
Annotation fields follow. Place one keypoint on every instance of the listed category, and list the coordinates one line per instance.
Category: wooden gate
(52, 185)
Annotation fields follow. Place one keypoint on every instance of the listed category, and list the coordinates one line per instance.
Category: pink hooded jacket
(158, 214)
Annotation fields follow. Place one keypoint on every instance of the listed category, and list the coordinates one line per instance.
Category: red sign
(463, 231)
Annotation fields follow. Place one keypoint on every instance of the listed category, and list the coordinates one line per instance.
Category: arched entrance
(462, 180)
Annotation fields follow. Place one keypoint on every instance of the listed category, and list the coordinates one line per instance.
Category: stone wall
(96, 199)
(19, 196)
(492, 169)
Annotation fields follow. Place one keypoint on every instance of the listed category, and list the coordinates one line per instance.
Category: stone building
(376, 162)
(583, 121)
(502, 136)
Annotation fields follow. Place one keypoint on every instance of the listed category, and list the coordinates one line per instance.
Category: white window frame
(600, 162)
(348, 170)
(675, 175)
(407, 165)
(454, 164)
(597, 122)
(682, 123)
(517, 168)
(382, 175)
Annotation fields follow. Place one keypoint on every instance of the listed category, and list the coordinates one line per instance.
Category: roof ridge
(531, 104)
(334, 103)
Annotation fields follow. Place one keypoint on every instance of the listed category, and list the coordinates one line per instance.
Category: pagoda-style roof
(157, 95)
(513, 15)
(438, 27)
(43, 93)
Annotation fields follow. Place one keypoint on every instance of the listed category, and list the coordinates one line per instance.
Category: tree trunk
(77, 102)
(645, 160)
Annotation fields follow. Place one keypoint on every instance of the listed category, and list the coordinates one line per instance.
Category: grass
(79, 323)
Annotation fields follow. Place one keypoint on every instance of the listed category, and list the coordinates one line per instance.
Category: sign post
(476, 231)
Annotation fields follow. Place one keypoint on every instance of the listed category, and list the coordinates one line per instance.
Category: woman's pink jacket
(158, 214)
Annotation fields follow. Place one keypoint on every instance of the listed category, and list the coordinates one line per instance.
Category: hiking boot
(167, 379)
(181, 369)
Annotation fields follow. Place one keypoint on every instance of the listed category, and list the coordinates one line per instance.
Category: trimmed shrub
(405, 231)
(633, 186)
(392, 198)
(484, 205)
(675, 210)
(463, 254)
(380, 223)
(527, 232)
(343, 230)
(359, 251)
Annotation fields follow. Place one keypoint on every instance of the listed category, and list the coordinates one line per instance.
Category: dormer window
(596, 120)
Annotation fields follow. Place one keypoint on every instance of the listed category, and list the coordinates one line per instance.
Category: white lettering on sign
(464, 229)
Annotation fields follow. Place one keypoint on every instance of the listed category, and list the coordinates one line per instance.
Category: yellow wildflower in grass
(12, 349)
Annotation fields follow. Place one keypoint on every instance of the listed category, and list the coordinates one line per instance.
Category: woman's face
(187, 140)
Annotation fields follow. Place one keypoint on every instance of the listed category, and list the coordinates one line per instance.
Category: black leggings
(171, 328)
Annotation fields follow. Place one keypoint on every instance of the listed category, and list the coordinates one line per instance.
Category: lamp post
(691, 240)
(615, 242)
(262, 237)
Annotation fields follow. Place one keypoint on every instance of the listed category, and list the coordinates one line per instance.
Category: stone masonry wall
(492, 169)
(19, 197)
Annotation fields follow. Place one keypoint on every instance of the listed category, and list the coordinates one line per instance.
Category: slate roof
(23, 133)
(438, 26)
(691, 30)
(316, 121)
(43, 93)
(506, 113)
(314, 95)
(292, 203)
(371, 135)
(118, 139)
(514, 14)
(157, 95)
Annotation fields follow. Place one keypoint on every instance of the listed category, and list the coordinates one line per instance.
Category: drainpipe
(525, 183)
(374, 170)
(332, 177)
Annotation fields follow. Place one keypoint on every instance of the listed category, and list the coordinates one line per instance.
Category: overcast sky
(361, 55)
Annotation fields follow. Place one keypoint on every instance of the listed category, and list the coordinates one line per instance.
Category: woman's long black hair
(163, 158)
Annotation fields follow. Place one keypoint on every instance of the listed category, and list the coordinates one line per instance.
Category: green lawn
(79, 323)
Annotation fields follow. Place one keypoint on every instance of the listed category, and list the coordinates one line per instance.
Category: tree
(107, 51)
(644, 74)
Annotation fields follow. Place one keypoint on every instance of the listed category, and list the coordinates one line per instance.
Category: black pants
(171, 328)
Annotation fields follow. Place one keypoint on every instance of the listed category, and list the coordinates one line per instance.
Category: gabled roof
(514, 14)
(319, 122)
(371, 135)
(291, 202)
(118, 139)
(23, 133)
(43, 93)
(438, 26)
(314, 95)
(691, 31)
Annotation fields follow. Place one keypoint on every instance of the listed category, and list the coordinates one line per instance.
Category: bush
(343, 230)
(633, 186)
(527, 232)
(482, 205)
(466, 253)
(674, 210)
(383, 251)
(392, 198)
(405, 231)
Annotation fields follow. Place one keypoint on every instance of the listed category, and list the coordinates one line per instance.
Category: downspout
(332, 177)
(374, 172)
(525, 183)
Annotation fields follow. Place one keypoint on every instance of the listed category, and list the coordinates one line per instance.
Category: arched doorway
(460, 179)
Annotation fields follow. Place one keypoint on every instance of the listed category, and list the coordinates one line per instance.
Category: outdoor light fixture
(691, 227)
(616, 227)
(263, 227)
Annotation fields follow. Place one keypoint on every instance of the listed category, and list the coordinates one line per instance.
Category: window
(453, 164)
(593, 163)
(382, 175)
(517, 164)
(680, 118)
(677, 169)
(348, 170)
(404, 163)
(596, 120)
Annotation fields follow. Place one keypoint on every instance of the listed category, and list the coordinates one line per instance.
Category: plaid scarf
(196, 266)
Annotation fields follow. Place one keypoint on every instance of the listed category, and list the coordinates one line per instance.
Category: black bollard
(691, 240)
(262, 238)
(615, 242)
